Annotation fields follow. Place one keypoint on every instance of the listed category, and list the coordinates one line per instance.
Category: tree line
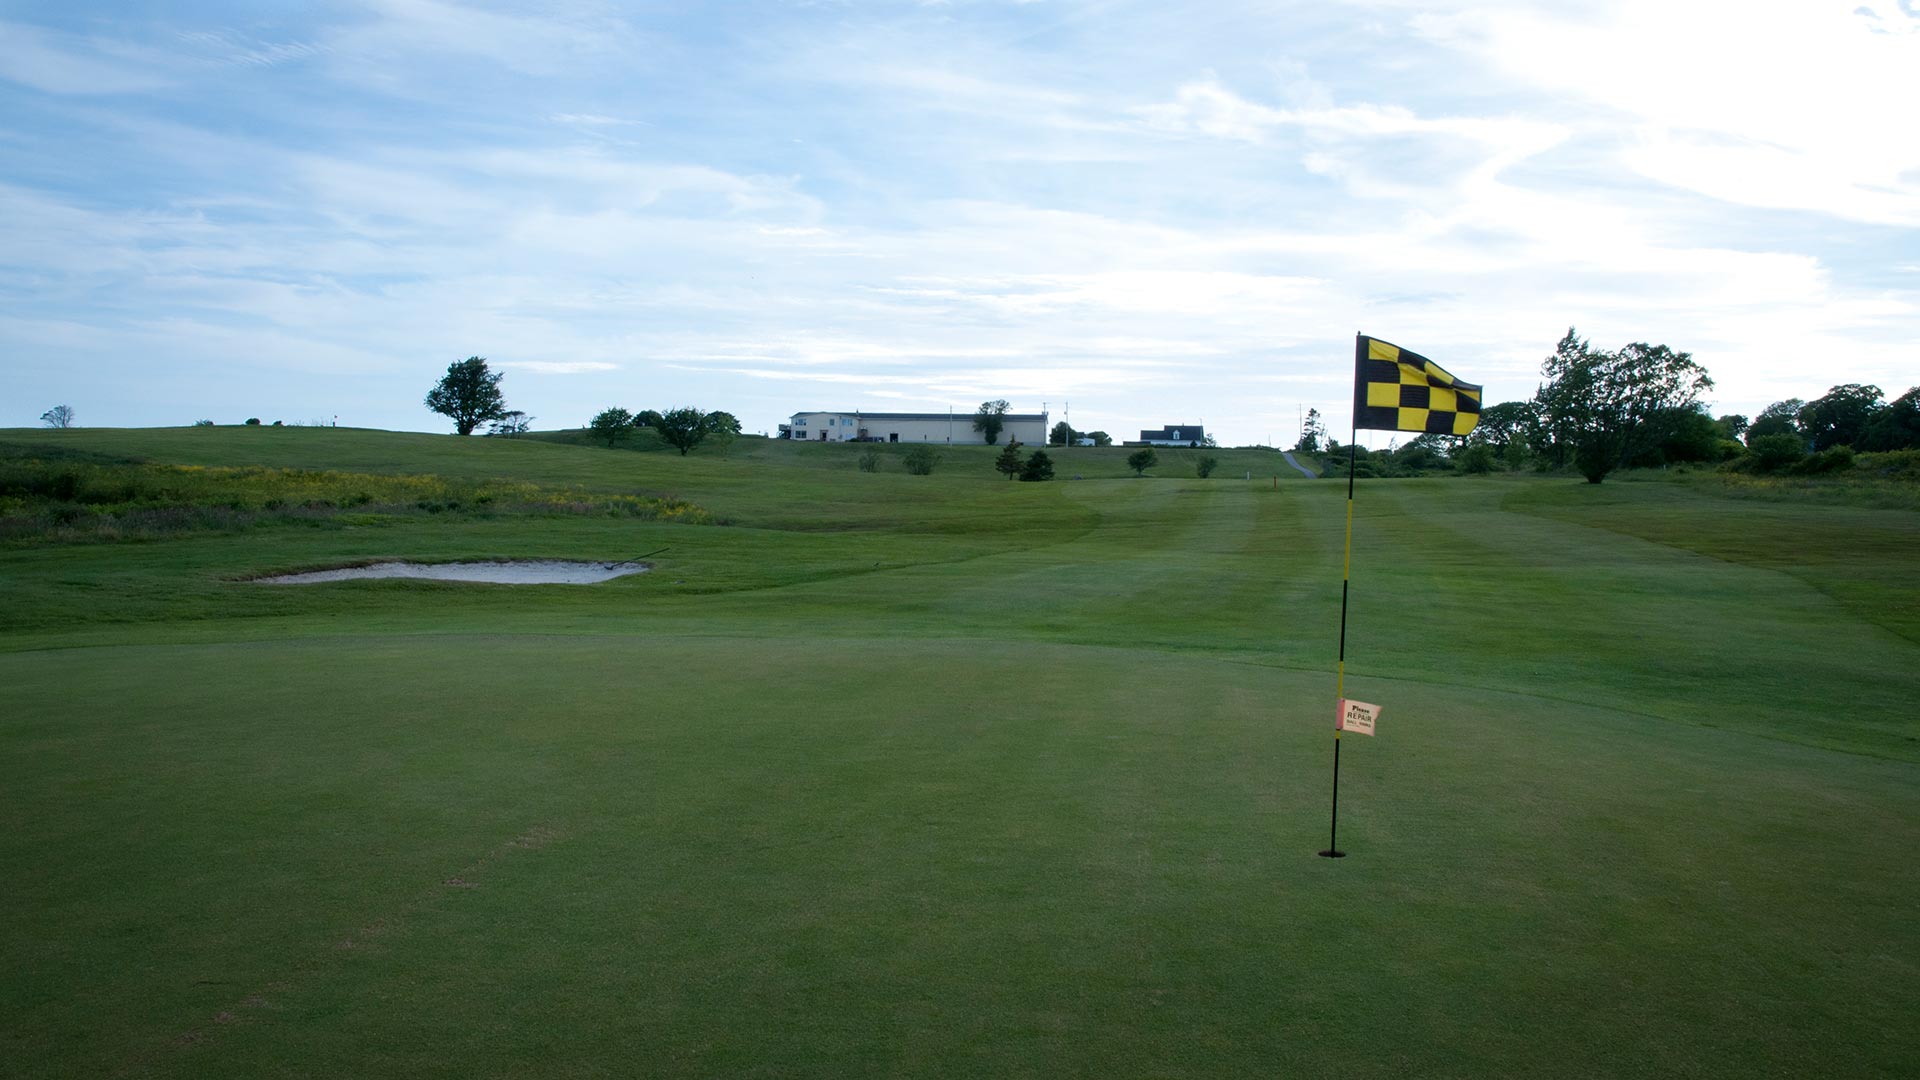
(469, 394)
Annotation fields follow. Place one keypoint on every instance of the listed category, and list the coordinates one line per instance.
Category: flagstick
(1340, 680)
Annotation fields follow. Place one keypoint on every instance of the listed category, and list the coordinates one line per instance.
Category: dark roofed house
(1175, 435)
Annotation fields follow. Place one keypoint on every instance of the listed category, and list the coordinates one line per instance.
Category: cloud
(557, 367)
(57, 63)
(1778, 104)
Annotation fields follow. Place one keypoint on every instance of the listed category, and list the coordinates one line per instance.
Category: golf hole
(531, 572)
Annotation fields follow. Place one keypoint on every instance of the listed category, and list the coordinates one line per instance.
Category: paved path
(1288, 454)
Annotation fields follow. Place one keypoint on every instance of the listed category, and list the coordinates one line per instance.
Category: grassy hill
(877, 773)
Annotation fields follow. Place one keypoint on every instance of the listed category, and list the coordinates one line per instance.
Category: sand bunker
(540, 572)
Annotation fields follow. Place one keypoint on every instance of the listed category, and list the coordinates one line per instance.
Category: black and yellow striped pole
(1393, 390)
(1340, 678)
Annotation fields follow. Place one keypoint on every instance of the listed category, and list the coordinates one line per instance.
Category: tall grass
(70, 499)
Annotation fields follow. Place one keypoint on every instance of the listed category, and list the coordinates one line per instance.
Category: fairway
(879, 774)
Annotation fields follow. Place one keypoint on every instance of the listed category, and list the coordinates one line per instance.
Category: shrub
(203, 423)
(1476, 458)
(870, 459)
(920, 459)
(1205, 465)
(1037, 467)
(1773, 452)
(253, 421)
(1832, 459)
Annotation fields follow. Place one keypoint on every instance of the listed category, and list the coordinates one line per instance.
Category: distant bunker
(531, 572)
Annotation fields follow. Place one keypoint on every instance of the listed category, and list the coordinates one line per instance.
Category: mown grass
(950, 775)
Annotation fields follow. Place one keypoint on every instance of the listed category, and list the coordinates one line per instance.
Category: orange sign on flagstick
(1356, 716)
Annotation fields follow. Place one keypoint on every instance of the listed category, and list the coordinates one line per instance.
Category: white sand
(541, 572)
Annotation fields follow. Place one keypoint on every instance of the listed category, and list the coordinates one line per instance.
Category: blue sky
(1159, 213)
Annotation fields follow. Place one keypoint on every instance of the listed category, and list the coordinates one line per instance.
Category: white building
(944, 428)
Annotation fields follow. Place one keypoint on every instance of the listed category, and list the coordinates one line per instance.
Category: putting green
(527, 855)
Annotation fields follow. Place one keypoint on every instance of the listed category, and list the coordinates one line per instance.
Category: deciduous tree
(469, 395)
(1609, 406)
(614, 425)
(1896, 427)
(1840, 416)
(1141, 460)
(990, 418)
(60, 416)
(683, 428)
(511, 423)
(1779, 418)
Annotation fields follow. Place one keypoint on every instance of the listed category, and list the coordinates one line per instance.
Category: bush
(1205, 465)
(1038, 467)
(1894, 464)
(1476, 458)
(203, 423)
(870, 459)
(253, 421)
(1832, 459)
(1770, 453)
(920, 459)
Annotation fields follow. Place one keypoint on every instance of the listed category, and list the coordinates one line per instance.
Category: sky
(1134, 214)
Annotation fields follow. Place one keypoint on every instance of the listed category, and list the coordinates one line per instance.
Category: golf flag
(1397, 390)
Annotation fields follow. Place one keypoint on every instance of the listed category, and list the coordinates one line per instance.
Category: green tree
(1426, 452)
(1685, 435)
(1779, 418)
(1313, 434)
(1009, 460)
(1141, 460)
(1896, 427)
(1100, 438)
(469, 394)
(683, 428)
(1841, 416)
(511, 423)
(1731, 426)
(1500, 425)
(1037, 467)
(1610, 406)
(920, 459)
(646, 418)
(1476, 458)
(613, 425)
(1062, 435)
(990, 418)
(1776, 451)
(722, 423)
(1205, 464)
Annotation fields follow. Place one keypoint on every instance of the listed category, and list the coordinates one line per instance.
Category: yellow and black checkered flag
(1397, 390)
